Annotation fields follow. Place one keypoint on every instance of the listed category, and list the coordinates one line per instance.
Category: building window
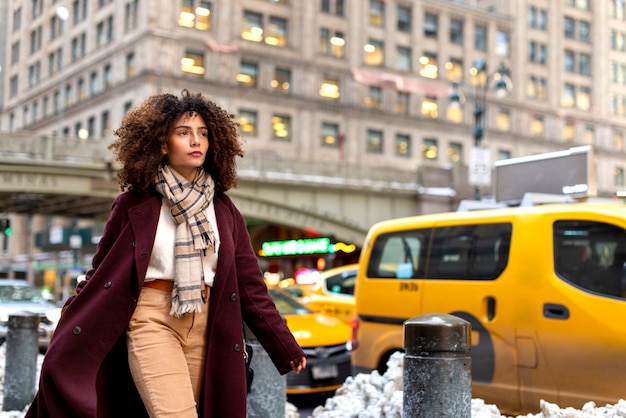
(480, 38)
(403, 58)
(192, 62)
(503, 44)
(374, 97)
(252, 27)
(569, 131)
(430, 148)
(276, 32)
(281, 128)
(91, 126)
(329, 88)
(537, 52)
(330, 134)
(107, 76)
(584, 32)
(403, 145)
(454, 111)
(568, 96)
(93, 83)
(456, 31)
(374, 141)
(105, 123)
(454, 67)
(430, 108)
(81, 89)
(589, 135)
(377, 13)
(333, 45)
(618, 140)
(537, 18)
(618, 104)
(569, 28)
(194, 14)
(130, 65)
(326, 7)
(583, 99)
(282, 80)
(248, 122)
(503, 120)
(431, 25)
(455, 152)
(537, 126)
(374, 52)
(402, 102)
(428, 65)
(504, 154)
(569, 61)
(248, 74)
(536, 87)
(584, 64)
(130, 15)
(617, 9)
(618, 177)
(405, 19)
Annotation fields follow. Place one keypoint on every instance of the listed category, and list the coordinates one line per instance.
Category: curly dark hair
(145, 129)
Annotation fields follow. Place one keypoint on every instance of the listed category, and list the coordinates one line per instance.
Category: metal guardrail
(50, 148)
(255, 165)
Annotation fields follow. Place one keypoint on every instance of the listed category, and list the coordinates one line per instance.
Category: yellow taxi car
(333, 295)
(543, 287)
(325, 341)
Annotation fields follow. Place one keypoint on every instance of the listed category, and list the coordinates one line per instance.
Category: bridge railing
(51, 148)
(274, 168)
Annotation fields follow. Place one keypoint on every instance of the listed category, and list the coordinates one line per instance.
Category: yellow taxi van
(542, 287)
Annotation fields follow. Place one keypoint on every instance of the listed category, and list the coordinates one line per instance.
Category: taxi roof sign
(570, 172)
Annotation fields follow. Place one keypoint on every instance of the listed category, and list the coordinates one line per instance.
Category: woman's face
(187, 145)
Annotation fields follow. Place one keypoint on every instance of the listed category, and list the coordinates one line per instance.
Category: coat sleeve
(258, 309)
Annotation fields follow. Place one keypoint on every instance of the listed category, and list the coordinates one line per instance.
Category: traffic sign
(480, 167)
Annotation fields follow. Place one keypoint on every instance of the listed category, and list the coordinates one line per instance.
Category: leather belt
(168, 285)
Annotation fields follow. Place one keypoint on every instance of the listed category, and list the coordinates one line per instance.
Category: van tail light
(354, 324)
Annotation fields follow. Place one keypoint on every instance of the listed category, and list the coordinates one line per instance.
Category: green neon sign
(297, 247)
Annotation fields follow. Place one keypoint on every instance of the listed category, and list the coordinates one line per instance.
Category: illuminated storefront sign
(305, 246)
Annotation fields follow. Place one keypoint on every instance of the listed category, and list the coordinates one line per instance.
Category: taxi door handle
(555, 311)
(491, 308)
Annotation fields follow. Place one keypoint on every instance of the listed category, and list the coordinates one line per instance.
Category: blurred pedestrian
(155, 329)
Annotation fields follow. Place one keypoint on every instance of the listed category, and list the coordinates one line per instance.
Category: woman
(156, 328)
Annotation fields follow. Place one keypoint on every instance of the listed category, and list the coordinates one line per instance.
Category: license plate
(324, 372)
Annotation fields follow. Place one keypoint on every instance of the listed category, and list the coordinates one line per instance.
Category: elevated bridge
(76, 178)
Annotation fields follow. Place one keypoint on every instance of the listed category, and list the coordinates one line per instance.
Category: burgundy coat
(85, 370)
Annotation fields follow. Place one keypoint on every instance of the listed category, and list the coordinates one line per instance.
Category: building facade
(364, 82)
(397, 84)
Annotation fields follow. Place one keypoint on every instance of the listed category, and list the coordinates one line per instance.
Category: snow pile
(376, 396)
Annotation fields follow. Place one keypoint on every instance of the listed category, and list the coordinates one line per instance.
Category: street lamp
(63, 13)
(482, 82)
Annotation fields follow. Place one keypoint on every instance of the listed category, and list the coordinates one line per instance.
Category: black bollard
(437, 367)
(268, 395)
(20, 369)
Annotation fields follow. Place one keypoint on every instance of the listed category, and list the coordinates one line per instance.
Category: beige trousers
(167, 355)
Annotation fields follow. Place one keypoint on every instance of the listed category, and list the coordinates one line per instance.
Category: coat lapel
(144, 219)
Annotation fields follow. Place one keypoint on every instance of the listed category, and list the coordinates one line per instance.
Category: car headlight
(54, 315)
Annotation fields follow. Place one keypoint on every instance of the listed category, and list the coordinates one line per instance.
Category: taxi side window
(399, 255)
(591, 255)
(469, 252)
(342, 284)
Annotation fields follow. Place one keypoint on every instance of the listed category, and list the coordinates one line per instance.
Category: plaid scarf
(193, 233)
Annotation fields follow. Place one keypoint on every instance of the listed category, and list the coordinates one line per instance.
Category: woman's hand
(298, 364)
